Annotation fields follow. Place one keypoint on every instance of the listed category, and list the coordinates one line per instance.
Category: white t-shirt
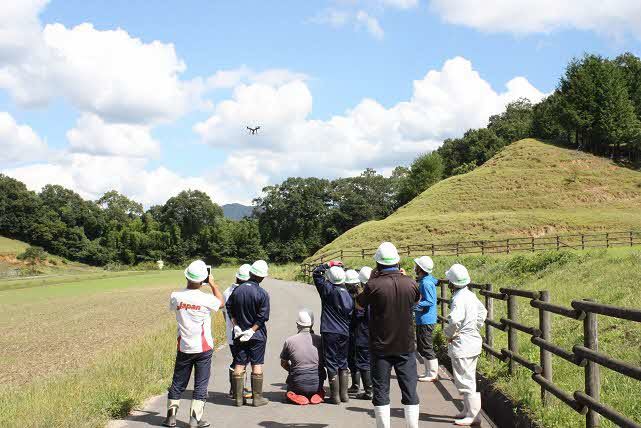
(228, 324)
(193, 313)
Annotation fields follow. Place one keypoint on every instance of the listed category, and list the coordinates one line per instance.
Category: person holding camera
(195, 343)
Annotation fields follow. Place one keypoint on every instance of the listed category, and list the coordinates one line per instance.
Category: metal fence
(502, 246)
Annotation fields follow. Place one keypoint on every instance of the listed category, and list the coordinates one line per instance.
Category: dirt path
(439, 401)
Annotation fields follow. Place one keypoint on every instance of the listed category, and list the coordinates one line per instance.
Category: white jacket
(464, 323)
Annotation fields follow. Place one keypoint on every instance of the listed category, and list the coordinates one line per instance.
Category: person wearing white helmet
(352, 283)
(302, 358)
(337, 309)
(425, 315)
(463, 330)
(391, 297)
(242, 275)
(360, 331)
(248, 308)
(195, 343)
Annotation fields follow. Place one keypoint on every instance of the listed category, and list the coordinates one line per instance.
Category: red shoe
(316, 399)
(297, 399)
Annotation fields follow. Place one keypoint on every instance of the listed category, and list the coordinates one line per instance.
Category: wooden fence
(503, 246)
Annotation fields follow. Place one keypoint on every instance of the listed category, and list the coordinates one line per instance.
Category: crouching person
(195, 343)
(466, 318)
(337, 308)
(302, 358)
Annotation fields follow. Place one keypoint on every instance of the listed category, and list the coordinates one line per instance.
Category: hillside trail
(439, 401)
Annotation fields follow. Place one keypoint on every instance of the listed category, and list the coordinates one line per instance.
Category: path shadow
(275, 396)
(153, 419)
(273, 424)
(399, 413)
(444, 392)
(220, 399)
(281, 386)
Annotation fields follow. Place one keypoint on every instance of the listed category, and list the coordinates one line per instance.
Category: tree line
(596, 107)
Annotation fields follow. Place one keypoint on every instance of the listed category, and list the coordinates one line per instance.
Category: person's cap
(305, 318)
(458, 276)
(196, 271)
(351, 277)
(387, 254)
(426, 263)
(259, 268)
(243, 272)
(336, 275)
(364, 274)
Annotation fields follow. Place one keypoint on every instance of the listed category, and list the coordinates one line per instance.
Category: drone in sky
(253, 131)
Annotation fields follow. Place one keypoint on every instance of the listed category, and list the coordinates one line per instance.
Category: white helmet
(364, 274)
(196, 271)
(336, 275)
(259, 268)
(243, 272)
(425, 263)
(351, 277)
(458, 276)
(387, 254)
(305, 318)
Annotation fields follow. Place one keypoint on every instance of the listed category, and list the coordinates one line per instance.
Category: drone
(253, 131)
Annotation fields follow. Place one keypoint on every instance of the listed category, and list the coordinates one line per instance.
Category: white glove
(237, 332)
(247, 334)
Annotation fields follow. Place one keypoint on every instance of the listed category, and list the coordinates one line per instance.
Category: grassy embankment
(83, 352)
(528, 189)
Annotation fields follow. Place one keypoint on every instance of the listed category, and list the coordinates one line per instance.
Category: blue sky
(332, 84)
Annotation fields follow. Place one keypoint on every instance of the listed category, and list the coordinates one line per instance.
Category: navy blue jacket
(360, 327)
(249, 305)
(338, 305)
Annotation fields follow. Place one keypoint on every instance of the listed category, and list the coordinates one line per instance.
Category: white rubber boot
(411, 415)
(172, 410)
(431, 371)
(382, 416)
(196, 415)
(426, 371)
(462, 413)
(473, 416)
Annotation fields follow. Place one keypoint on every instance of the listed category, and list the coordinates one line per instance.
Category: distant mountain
(237, 211)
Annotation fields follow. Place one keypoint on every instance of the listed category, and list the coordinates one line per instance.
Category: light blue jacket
(426, 308)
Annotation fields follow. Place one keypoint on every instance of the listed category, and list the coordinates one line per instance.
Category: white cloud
(93, 136)
(18, 142)
(19, 28)
(225, 79)
(400, 4)
(371, 23)
(613, 18)
(445, 103)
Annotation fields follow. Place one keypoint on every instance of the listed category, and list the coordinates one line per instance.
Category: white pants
(464, 370)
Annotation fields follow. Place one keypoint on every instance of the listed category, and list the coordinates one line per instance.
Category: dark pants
(405, 369)
(232, 351)
(201, 362)
(424, 341)
(335, 349)
(361, 357)
(351, 356)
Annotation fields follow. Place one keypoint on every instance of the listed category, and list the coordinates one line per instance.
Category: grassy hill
(12, 246)
(528, 189)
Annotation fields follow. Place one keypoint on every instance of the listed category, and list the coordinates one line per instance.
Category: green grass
(608, 276)
(528, 189)
(12, 246)
(77, 354)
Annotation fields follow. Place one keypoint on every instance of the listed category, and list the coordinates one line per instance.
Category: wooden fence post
(607, 240)
(545, 357)
(443, 296)
(489, 333)
(630, 238)
(512, 340)
(558, 243)
(409, 250)
(363, 253)
(457, 249)
(592, 375)
(507, 245)
(432, 250)
(482, 247)
(533, 244)
(582, 241)
(341, 254)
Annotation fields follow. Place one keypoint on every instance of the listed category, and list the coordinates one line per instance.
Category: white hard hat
(364, 274)
(259, 268)
(425, 263)
(351, 277)
(305, 318)
(336, 275)
(387, 254)
(243, 272)
(196, 271)
(458, 276)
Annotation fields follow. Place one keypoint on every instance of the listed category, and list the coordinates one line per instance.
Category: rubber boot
(411, 415)
(356, 382)
(382, 416)
(343, 380)
(238, 380)
(257, 388)
(366, 375)
(426, 370)
(196, 415)
(172, 410)
(463, 412)
(431, 371)
(231, 383)
(473, 415)
(334, 391)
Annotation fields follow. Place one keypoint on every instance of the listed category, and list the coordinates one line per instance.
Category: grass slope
(528, 189)
(12, 246)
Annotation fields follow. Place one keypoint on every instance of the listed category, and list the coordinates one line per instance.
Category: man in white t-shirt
(195, 343)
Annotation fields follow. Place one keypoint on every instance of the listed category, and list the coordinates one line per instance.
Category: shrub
(33, 254)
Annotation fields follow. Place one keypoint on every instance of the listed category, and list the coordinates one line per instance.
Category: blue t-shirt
(426, 308)
(249, 305)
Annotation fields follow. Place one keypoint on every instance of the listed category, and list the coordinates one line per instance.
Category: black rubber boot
(257, 389)
(238, 381)
(366, 375)
(356, 382)
(334, 391)
(231, 384)
(343, 376)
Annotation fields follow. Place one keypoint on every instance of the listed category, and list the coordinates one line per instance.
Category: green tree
(515, 123)
(426, 170)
